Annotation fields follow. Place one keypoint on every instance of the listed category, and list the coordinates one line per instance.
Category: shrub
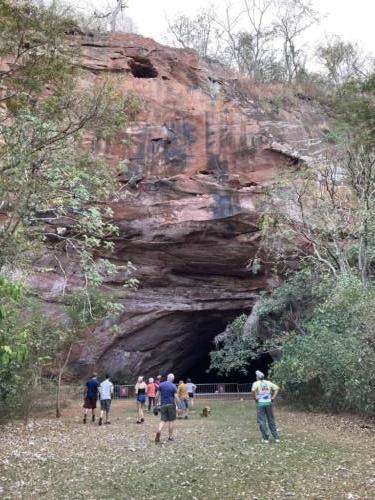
(333, 366)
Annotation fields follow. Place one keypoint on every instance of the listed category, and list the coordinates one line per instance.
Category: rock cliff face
(201, 154)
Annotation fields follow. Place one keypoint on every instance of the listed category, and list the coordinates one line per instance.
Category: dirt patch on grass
(320, 457)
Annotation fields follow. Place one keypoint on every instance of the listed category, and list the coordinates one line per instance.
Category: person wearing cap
(264, 393)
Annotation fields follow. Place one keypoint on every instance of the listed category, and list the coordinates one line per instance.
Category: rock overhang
(200, 159)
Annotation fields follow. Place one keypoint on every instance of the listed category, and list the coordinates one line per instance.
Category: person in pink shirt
(158, 382)
(151, 393)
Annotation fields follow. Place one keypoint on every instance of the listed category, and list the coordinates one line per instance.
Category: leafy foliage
(355, 108)
(50, 189)
(333, 366)
(233, 349)
(283, 311)
(13, 341)
(44, 172)
(321, 317)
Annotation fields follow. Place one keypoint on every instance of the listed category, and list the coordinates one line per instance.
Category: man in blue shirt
(91, 397)
(167, 395)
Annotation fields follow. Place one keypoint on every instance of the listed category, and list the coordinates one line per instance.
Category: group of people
(161, 396)
(173, 401)
(147, 393)
(93, 389)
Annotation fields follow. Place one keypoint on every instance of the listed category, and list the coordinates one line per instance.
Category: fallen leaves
(212, 459)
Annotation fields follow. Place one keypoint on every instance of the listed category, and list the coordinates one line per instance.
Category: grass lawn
(320, 457)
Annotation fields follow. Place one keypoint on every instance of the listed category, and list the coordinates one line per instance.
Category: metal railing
(222, 390)
(126, 392)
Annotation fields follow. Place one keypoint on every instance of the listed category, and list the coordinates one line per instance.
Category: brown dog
(206, 411)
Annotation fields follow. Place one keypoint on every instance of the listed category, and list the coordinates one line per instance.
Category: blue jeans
(264, 417)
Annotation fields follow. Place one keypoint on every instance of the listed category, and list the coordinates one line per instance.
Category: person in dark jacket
(90, 397)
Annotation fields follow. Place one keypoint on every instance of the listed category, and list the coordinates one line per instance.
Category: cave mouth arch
(179, 342)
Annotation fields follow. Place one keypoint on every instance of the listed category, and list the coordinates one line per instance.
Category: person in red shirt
(151, 393)
(157, 382)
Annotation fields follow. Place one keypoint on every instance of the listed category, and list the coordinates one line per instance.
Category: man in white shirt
(105, 392)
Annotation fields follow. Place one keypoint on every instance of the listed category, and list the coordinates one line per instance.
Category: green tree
(343, 61)
(355, 112)
(333, 366)
(321, 218)
(45, 175)
(13, 341)
(51, 186)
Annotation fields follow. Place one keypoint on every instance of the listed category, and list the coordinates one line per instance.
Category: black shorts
(168, 413)
(90, 403)
(105, 404)
(191, 394)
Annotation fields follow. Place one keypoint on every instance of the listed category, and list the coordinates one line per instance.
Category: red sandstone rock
(202, 152)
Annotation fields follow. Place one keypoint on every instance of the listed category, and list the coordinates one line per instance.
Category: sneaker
(142, 420)
(157, 437)
(93, 418)
(100, 421)
(84, 420)
(265, 441)
(138, 422)
(171, 439)
(107, 423)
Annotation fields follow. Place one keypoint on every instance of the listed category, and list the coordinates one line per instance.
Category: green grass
(320, 457)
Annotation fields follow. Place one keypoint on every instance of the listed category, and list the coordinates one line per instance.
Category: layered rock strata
(202, 152)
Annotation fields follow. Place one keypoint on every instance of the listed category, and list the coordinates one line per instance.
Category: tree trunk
(58, 406)
(59, 379)
(115, 13)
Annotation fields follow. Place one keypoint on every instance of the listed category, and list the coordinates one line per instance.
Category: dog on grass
(206, 411)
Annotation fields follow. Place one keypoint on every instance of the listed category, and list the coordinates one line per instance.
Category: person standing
(91, 397)
(264, 393)
(105, 393)
(191, 388)
(183, 396)
(151, 393)
(157, 382)
(140, 394)
(167, 393)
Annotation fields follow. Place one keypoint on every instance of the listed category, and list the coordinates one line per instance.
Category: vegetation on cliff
(321, 317)
(50, 188)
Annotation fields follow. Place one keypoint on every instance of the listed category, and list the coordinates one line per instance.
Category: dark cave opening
(194, 361)
(199, 371)
(179, 342)
(142, 68)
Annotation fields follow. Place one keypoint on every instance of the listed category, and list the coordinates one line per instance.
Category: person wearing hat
(264, 393)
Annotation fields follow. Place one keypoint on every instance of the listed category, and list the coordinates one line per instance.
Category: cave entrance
(190, 354)
(199, 372)
(179, 342)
